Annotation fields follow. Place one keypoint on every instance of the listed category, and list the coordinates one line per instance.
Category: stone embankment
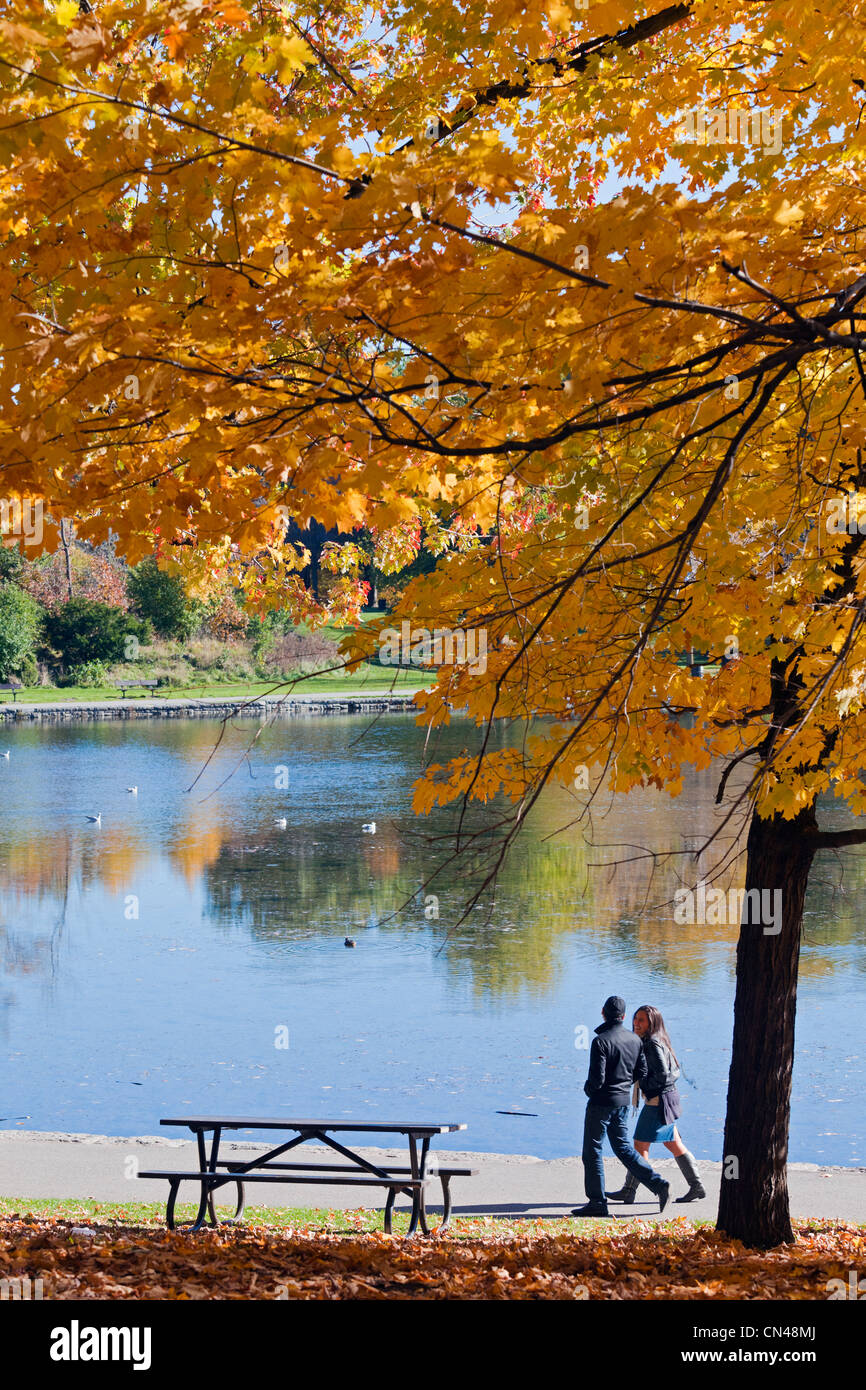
(294, 706)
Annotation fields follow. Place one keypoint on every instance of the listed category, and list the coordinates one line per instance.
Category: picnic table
(356, 1171)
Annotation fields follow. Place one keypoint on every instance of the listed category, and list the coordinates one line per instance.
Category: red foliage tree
(93, 576)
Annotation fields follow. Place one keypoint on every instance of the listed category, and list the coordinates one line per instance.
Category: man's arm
(597, 1068)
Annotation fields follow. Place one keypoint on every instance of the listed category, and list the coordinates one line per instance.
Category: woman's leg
(676, 1144)
(688, 1168)
(628, 1191)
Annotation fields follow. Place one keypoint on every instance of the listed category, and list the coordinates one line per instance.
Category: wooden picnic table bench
(213, 1172)
(14, 686)
(123, 686)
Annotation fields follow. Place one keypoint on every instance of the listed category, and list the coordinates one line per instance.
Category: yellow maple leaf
(786, 213)
(66, 11)
(292, 54)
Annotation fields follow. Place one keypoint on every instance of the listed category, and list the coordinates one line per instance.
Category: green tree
(83, 630)
(20, 618)
(162, 600)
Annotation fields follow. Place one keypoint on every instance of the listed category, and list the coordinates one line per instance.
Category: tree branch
(836, 839)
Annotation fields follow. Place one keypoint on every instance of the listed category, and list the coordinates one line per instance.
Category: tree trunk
(64, 540)
(754, 1200)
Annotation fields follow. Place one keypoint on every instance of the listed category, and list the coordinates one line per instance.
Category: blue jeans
(612, 1119)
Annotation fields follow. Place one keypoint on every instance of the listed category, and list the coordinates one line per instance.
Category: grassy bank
(297, 660)
(370, 680)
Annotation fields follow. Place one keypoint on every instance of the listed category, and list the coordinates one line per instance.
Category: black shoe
(591, 1209)
(663, 1192)
(694, 1194)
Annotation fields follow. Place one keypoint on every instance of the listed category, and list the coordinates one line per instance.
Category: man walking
(616, 1061)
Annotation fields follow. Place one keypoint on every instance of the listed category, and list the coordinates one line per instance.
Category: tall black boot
(686, 1165)
(627, 1192)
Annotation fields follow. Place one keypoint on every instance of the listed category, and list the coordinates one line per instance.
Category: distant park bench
(14, 686)
(213, 1173)
(123, 686)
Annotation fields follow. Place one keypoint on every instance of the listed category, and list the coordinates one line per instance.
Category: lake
(186, 955)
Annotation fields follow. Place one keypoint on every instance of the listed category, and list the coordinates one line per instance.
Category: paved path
(509, 1185)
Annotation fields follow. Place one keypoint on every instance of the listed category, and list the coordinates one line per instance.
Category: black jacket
(661, 1069)
(616, 1061)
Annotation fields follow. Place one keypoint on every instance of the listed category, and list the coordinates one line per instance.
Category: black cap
(614, 1007)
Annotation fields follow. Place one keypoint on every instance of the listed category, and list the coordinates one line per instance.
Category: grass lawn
(308, 1219)
(369, 680)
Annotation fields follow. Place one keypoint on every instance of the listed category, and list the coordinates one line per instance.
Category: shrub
(28, 672)
(83, 630)
(11, 563)
(20, 620)
(227, 621)
(264, 630)
(162, 600)
(88, 674)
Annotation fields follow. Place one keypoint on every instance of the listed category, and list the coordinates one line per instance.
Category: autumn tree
(93, 576)
(413, 271)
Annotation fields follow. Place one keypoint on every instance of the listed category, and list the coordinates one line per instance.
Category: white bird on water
(369, 829)
(134, 790)
(281, 822)
(6, 755)
(96, 820)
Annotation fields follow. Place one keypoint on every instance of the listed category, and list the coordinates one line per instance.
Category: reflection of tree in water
(45, 867)
(833, 919)
(554, 885)
(21, 955)
(288, 890)
(636, 863)
(591, 884)
(50, 873)
(283, 888)
(24, 955)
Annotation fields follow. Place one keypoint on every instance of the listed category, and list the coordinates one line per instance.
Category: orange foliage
(675, 1261)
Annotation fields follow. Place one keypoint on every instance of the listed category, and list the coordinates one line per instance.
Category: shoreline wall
(291, 706)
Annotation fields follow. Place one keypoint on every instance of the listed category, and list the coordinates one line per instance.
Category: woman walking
(657, 1120)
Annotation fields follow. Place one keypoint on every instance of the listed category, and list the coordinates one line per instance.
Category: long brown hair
(657, 1027)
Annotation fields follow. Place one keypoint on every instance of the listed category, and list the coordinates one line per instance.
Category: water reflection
(189, 917)
(321, 875)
